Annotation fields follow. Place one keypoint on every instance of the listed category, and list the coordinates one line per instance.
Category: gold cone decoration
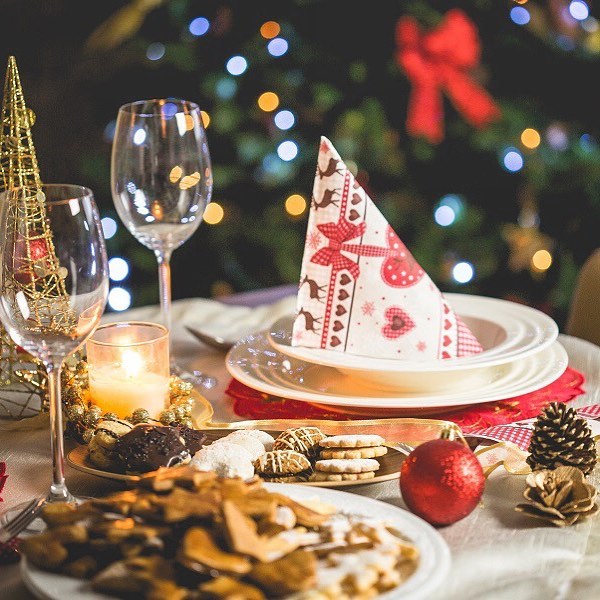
(22, 379)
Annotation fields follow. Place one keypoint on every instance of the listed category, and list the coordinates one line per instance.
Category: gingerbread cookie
(281, 462)
(351, 465)
(300, 439)
(352, 441)
(370, 452)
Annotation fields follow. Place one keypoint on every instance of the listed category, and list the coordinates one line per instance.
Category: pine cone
(560, 496)
(560, 437)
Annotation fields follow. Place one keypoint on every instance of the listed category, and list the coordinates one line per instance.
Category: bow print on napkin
(361, 291)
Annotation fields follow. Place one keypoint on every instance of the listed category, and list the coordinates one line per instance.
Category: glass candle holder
(128, 367)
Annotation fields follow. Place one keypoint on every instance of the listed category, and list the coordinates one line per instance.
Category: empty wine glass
(161, 181)
(53, 286)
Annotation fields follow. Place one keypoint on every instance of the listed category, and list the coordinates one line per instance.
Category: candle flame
(132, 363)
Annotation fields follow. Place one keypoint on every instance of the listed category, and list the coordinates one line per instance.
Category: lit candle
(128, 368)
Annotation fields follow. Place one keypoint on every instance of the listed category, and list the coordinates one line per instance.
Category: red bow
(440, 60)
(337, 234)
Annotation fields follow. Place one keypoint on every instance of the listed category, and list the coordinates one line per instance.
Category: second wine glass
(161, 181)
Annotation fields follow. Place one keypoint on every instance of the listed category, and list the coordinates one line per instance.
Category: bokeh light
(236, 65)
(557, 137)
(463, 272)
(287, 150)
(579, 10)
(530, 138)
(119, 299)
(213, 213)
(268, 101)
(284, 120)
(139, 137)
(199, 26)
(118, 268)
(541, 260)
(205, 118)
(109, 130)
(512, 160)
(444, 215)
(295, 205)
(270, 29)
(520, 15)
(109, 227)
(277, 47)
(155, 51)
(226, 88)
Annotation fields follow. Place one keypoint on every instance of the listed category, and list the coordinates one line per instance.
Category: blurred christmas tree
(472, 125)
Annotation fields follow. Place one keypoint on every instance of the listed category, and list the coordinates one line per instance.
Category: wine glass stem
(58, 489)
(164, 285)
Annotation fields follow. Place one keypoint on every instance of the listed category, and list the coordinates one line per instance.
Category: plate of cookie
(184, 533)
(301, 455)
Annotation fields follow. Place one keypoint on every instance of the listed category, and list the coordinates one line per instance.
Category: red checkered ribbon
(520, 433)
(338, 234)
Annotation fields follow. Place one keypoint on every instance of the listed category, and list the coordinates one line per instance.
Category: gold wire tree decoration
(40, 277)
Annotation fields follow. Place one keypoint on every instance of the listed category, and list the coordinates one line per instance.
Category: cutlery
(214, 341)
(14, 526)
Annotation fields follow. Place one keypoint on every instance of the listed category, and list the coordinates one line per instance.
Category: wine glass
(161, 181)
(53, 286)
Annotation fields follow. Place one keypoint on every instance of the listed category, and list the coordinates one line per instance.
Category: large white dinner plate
(506, 330)
(433, 567)
(255, 363)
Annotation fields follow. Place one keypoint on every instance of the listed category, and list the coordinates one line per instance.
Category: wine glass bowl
(53, 285)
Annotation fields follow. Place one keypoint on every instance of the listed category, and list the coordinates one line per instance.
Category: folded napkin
(361, 291)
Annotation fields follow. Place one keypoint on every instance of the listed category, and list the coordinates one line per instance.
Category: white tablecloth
(496, 552)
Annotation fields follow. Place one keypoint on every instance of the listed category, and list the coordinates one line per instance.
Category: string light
(277, 47)
(236, 65)
(268, 101)
(512, 160)
(226, 88)
(287, 150)
(213, 213)
(530, 138)
(205, 118)
(118, 268)
(541, 260)
(520, 15)
(579, 10)
(119, 299)
(109, 227)
(199, 26)
(284, 120)
(463, 272)
(270, 29)
(295, 205)
(155, 51)
(444, 216)
(557, 137)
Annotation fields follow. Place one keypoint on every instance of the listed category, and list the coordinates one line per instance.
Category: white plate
(434, 553)
(255, 363)
(506, 330)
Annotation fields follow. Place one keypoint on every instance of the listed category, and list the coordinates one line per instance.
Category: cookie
(352, 441)
(350, 465)
(249, 443)
(266, 439)
(107, 432)
(322, 476)
(281, 462)
(296, 478)
(226, 459)
(300, 439)
(370, 452)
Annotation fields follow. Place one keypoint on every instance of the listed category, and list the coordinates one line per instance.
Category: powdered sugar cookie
(371, 452)
(226, 459)
(266, 439)
(250, 443)
(351, 465)
(322, 476)
(352, 441)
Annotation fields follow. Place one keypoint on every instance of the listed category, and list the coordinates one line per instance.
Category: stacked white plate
(521, 354)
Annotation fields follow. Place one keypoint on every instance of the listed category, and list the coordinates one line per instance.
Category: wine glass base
(197, 378)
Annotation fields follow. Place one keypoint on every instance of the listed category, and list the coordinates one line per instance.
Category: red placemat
(252, 404)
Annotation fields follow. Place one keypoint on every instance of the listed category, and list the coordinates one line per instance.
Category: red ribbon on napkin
(440, 60)
(252, 404)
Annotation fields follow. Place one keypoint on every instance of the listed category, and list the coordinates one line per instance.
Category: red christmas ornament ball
(441, 481)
